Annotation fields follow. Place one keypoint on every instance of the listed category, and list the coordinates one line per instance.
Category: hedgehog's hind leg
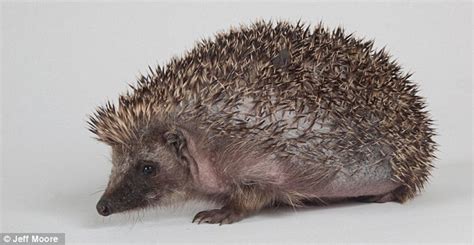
(403, 194)
(400, 195)
(387, 197)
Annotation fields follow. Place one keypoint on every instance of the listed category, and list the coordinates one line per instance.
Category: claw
(218, 216)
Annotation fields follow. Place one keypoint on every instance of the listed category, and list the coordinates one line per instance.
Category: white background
(59, 61)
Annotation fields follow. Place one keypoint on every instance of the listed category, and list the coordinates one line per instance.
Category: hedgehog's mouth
(106, 207)
(120, 200)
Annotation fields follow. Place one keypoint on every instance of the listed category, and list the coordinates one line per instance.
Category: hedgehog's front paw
(218, 216)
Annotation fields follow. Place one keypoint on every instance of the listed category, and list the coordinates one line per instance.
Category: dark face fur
(149, 172)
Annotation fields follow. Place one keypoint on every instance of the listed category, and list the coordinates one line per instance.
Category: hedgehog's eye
(147, 167)
(148, 170)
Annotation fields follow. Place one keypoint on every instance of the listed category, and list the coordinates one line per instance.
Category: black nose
(103, 207)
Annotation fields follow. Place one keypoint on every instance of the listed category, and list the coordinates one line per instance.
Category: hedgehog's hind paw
(218, 216)
(387, 197)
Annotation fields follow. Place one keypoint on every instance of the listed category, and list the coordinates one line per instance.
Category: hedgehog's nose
(103, 207)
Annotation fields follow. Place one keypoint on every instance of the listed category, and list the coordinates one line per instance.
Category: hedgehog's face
(146, 173)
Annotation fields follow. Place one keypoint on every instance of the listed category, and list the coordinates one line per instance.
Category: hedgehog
(267, 114)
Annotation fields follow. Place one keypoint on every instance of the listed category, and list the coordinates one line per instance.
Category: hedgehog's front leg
(224, 215)
(244, 202)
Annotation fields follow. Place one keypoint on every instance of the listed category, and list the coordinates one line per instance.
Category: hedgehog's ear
(176, 140)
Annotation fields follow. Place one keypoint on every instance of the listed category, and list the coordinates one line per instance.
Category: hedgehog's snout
(104, 208)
